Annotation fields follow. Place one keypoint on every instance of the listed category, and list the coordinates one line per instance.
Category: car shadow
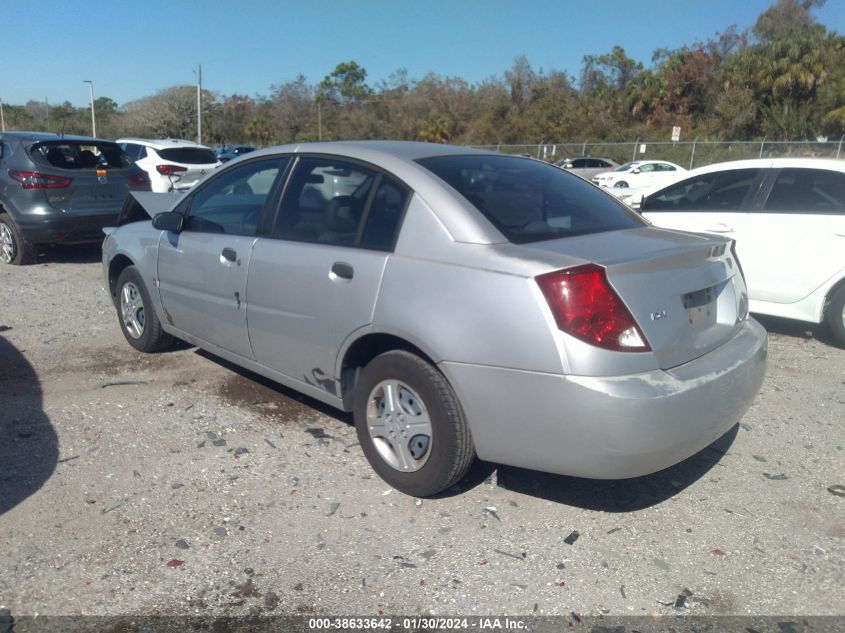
(619, 495)
(29, 446)
(70, 254)
(624, 495)
(797, 329)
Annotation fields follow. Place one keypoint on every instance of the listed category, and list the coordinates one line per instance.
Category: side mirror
(170, 221)
(636, 201)
(635, 171)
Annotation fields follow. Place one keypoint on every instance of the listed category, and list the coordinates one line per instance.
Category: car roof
(772, 163)
(377, 150)
(162, 143)
(48, 136)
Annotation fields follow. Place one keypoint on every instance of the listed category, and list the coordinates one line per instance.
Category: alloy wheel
(132, 310)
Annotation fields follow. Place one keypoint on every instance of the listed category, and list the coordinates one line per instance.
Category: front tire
(138, 320)
(15, 249)
(411, 425)
(835, 315)
(621, 184)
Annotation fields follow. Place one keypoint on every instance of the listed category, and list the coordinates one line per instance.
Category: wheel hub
(399, 425)
(7, 244)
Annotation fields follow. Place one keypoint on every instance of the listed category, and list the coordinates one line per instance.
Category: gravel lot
(179, 484)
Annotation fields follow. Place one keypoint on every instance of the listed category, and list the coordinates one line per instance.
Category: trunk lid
(685, 290)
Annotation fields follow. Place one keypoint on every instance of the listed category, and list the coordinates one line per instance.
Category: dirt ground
(179, 484)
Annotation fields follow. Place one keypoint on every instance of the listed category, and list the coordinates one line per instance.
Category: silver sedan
(460, 303)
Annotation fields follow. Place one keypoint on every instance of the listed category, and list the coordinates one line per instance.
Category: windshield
(530, 201)
(624, 167)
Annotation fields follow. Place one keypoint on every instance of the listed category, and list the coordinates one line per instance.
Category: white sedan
(788, 219)
(643, 174)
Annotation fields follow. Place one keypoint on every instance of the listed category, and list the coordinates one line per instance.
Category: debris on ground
(240, 451)
(333, 508)
(682, 598)
(516, 556)
(778, 477)
(573, 536)
(114, 505)
(837, 489)
(717, 552)
(182, 544)
(491, 510)
(661, 564)
(174, 562)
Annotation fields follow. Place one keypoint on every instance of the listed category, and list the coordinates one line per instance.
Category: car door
(715, 202)
(794, 238)
(316, 280)
(202, 270)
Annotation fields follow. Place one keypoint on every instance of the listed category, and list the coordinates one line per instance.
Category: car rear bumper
(67, 228)
(610, 427)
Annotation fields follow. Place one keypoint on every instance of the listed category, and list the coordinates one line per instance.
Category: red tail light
(169, 170)
(37, 180)
(140, 180)
(585, 306)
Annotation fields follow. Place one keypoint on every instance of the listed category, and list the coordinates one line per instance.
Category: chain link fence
(687, 154)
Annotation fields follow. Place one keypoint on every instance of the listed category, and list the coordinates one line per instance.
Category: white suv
(787, 216)
(173, 164)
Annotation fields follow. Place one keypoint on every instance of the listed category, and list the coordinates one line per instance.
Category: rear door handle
(229, 254)
(343, 270)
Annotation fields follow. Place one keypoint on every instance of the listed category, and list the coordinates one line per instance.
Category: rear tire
(835, 315)
(15, 249)
(410, 424)
(138, 319)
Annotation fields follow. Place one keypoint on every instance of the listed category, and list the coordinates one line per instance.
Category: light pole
(91, 94)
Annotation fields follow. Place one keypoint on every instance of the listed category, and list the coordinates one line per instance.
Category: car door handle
(720, 228)
(342, 270)
(229, 254)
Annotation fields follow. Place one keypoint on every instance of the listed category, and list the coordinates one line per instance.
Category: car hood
(143, 205)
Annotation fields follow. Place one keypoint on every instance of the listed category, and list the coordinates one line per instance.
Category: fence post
(584, 148)
(692, 154)
(762, 143)
(636, 144)
(839, 149)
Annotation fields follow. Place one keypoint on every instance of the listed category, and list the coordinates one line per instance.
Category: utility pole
(199, 103)
(91, 96)
(2, 118)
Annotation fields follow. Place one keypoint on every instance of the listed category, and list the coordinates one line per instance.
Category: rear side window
(530, 201)
(134, 151)
(79, 155)
(188, 155)
(324, 202)
(808, 191)
(717, 191)
(384, 216)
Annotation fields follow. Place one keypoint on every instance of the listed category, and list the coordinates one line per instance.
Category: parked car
(587, 166)
(172, 164)
(642, 174)
(59, 190)
(458, 302)
(787, 216)
(233, 151)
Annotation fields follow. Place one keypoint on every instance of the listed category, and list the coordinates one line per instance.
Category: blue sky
(132, 48)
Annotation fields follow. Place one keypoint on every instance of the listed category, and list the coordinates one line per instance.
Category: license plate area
(701, 309)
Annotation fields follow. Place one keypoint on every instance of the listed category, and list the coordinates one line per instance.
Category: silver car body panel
(458, 291)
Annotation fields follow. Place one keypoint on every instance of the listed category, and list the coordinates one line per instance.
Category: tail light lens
(169, 170)
(140, 181)
(37, 180)
(585, 306)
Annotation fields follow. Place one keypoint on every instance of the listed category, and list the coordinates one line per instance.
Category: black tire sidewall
(24, 250)
(834, 316)
(148, 341)
(434, 476)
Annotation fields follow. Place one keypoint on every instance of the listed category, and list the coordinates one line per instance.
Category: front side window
(324, 202)
(530, 201)
(231, 203)
(716, 191)
(808, 191)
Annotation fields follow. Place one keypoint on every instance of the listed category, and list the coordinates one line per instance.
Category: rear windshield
(79, 155)
(188, 155)
(530, 201)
